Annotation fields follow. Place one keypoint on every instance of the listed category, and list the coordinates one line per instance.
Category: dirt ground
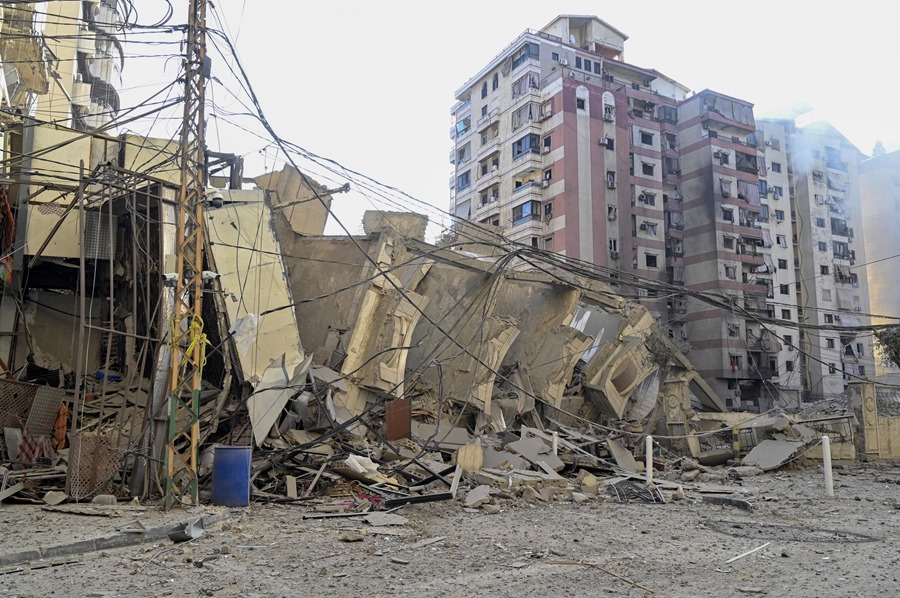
(845, 546)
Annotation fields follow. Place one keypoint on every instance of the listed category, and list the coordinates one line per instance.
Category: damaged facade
(378, 361)
(561, 144)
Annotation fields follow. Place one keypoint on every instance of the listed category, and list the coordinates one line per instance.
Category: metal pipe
(648, 459)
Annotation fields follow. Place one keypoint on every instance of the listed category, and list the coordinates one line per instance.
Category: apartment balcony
(713, 119)
(755, 372)
(762, 344)
(493, 117)
(757, 304)
(530, 190)
(750, 258)
(488, 148)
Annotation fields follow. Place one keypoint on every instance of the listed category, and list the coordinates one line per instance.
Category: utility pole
(187, 337)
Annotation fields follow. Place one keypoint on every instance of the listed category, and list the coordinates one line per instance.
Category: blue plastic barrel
(231, 476)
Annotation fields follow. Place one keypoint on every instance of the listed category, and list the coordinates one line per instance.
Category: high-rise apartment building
(829, 257)
(563, 145)
(85, 58)
(879, 182)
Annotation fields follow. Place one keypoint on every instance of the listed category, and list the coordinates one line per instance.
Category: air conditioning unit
(612, 216)
(726, 194)
(768, 143)
(611, 184)
(564, 62)
(717, 155)
(642, 198)
(546, 115)
(546, 150)
(494, 168)
(545, 184)
(643, 226)
(614, 255)
(776, 196)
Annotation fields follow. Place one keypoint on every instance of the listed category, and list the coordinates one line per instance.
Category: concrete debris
(771, 454)
(355, 393)
(478, 496)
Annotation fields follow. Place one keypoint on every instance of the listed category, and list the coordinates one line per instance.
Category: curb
(120, 540)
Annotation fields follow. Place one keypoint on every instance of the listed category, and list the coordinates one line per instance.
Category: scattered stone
(353, 537)
(104, 499)
(579, 497)
(690, 475)
(679, 494)
(490, 509)
(399, 561)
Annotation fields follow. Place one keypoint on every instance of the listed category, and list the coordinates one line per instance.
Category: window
(823, 246)
(464, 180)
(728, 242)
(735, 362)
(484, 110)
(650, 260)
(789, 366)
(527, 51)
(578, 62)
(829, 319)
(784, 289)
(862, 370)
(554, 56)
(611, 179)
(587, 65)
(782, 264)
(484, 90)
(763, 188)
(548, 243)
(829, 343)
(597, 69)
(613, 244)
(548, 210)
(826, 294)
(646, 138)
(548, 141)
(548, 174)
(788, 339)
(782, 240)
(647, 168)
(778, 191)
(785, 314)
(831, 368)
(820, 222)
(731, 272)
(779, 215)
(859, 349)
(776, 166)
(530, 210)
(579, 103)
(823, 269)
(647, 198)
(495, 83)
(727, 215)
(527, 144)
(612, 212)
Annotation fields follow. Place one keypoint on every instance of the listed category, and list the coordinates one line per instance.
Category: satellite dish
(572, 39)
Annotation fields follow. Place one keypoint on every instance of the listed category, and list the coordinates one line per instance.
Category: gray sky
(370, 84)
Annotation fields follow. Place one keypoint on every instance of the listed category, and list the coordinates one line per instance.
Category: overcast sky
(371, 84)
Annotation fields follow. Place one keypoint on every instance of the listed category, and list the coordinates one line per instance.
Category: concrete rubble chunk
(478, 496)
(772, 454)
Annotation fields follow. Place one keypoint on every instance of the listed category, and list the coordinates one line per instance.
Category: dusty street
(529, 548)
